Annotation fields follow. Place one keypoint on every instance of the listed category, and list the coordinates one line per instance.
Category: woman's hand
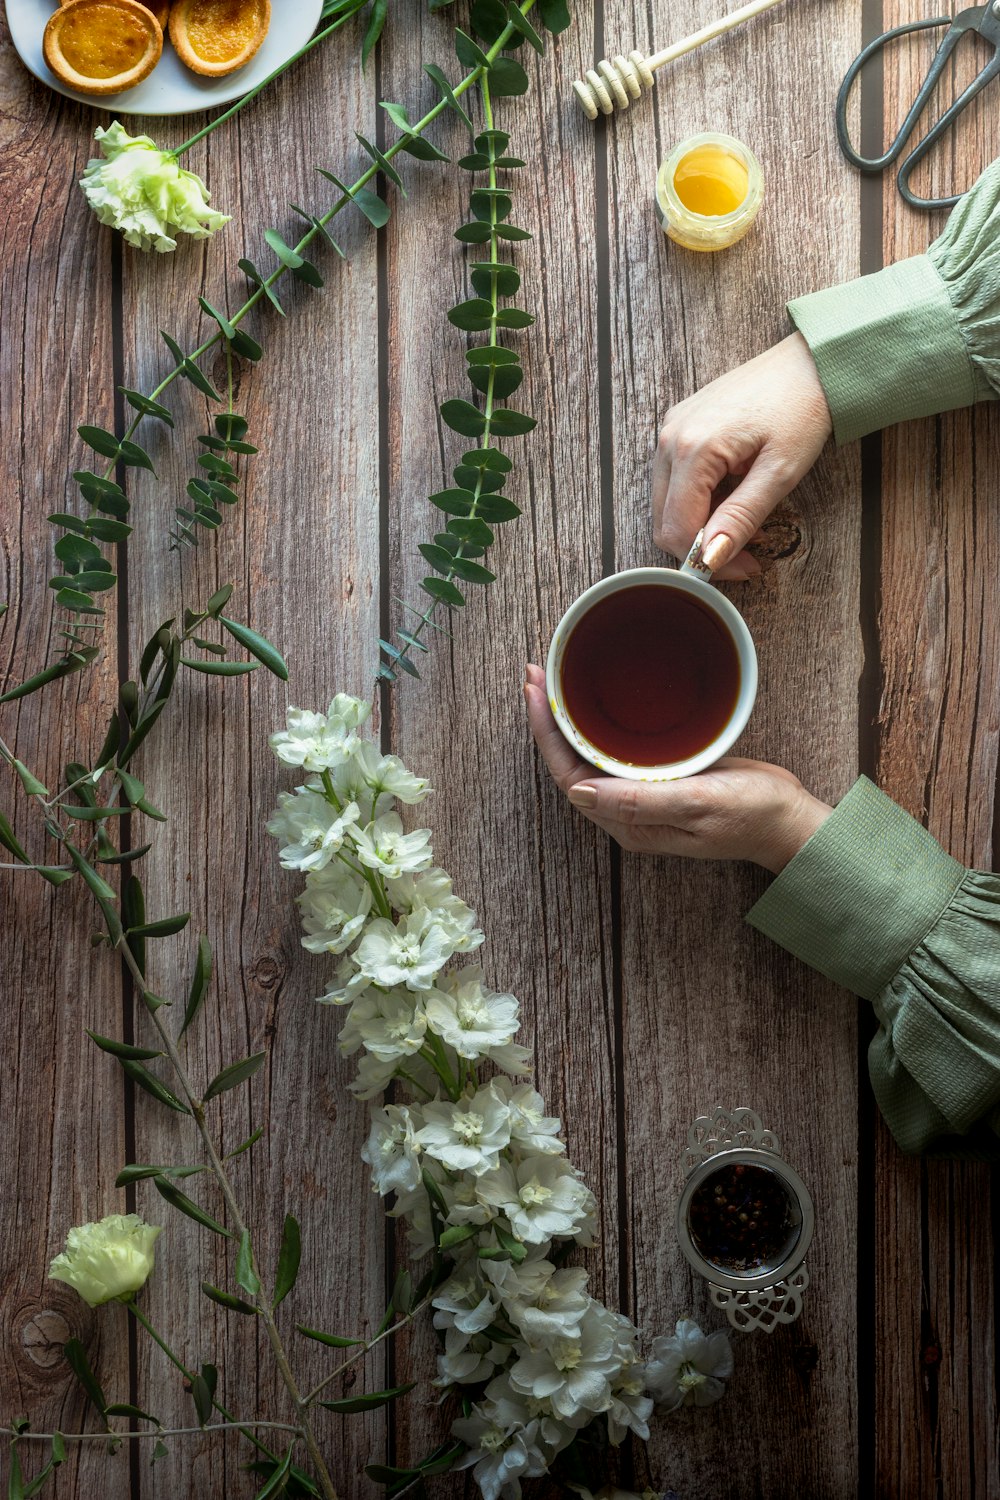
(764, 424)
(740, 809)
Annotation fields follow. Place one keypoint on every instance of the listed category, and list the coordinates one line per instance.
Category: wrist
(801, 816)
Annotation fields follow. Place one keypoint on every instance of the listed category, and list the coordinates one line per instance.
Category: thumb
(741, 514)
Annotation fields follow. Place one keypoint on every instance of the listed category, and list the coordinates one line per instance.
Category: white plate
(171, 88)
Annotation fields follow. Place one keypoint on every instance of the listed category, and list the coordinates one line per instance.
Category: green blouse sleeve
(920, 337)
(873, 902)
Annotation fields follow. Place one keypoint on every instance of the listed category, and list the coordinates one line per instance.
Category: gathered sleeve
(919, 337)
(873, 902)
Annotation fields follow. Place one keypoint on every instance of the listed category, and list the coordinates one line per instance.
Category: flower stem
(158, 1432)
(234, 109)
(387, 1333)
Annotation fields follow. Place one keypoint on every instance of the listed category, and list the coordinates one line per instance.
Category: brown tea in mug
(650, 675)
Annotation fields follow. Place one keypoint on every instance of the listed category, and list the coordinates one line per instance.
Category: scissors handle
(879, 163)
(982, 78)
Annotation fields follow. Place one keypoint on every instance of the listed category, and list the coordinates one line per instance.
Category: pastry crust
(159, 8)
(215, 37)
(102, 46)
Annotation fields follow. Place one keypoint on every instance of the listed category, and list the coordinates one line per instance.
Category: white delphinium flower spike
(412, 952)
(386, 776)
(139, 189)
(469, 1135)
(432, 889)
(572, 1372)
(690, 1367)
(384, 846)
(463, 1303)
(311, 831)
(318, 742)
(531, 1129)
(392, 1149)
(469, 1017)
(335, 906)
(387, 1023)
(542, 1197)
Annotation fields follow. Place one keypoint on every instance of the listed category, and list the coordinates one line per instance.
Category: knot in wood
(268, 971)
(35, 1333)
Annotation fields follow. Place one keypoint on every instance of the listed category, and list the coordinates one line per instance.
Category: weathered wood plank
(302, 549)
(61, 1100)
(539, 879)
(938, 758)
(712, 1014)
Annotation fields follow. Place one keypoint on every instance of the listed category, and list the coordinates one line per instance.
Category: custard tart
(159, 8)
(102, 46)
(215, 37)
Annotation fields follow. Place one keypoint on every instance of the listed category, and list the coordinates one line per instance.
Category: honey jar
(708, 192)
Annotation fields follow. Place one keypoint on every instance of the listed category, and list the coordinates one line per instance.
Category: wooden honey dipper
(615, 82)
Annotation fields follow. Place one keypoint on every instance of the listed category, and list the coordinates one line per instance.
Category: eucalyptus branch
(366, 1347)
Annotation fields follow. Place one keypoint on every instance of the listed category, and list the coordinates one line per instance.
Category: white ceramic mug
(691, 578)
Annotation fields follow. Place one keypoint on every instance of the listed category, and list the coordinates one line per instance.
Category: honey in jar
(708, 192)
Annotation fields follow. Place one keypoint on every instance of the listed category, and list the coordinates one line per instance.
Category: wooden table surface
(646, 997)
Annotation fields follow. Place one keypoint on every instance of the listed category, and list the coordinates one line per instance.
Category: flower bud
(107, 1260)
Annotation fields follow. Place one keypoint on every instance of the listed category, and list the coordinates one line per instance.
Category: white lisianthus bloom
(309, 828)
(469, 1135)
(386, 776)
(411, 952)
(318, 742)
(572, 1373)
(383, 846)
(107, 1260)
(531, 1129)
(463, 1303)
(392, 1149)
(689, 1368)
(141, 190)
(432, 888)
(542, 1197)
(388, 1023)
(335, 906)
(469, 1017)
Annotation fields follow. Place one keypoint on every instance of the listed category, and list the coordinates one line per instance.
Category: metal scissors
(984, 19)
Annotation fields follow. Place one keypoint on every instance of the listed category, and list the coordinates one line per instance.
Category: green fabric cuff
(861, 894)
(887, 347)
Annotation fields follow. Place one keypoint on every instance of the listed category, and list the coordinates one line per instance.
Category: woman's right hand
(763, 424)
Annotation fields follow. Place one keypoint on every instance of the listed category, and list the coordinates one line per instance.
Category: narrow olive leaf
(227, 1299)
(58, 1448)
(186, 1205)
(219, 600)
(447, 92)
(140, 731)
(30, 782)
(160, 1450)
(138, 1171)
(126, 1409)
(276, 1483)
(199, 982)
(246, 1275)
(258, 646)
(380, 10)
(125, 857)
(202, 1398)
(76, 1358)
(220, 668)
(11, 842)
(457, 1234)
(402, 1293)
(152, 1085)
(251, 1140)
(288, 1260)
(15, 1482)
(334, 1340)
(49, 674)
(235, 1074)
(369, 1403)
(166, 927)
(121, 1049)
(509, 1244)
(97, 885)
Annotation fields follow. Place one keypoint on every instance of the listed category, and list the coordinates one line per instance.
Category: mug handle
(692, 564)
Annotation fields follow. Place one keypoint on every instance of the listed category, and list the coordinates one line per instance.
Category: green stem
(246, 99)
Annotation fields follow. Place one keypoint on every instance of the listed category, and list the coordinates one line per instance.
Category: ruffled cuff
(935, 1062)
(861, 894)
(920, 337)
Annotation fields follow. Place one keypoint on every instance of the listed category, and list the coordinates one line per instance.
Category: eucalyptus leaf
(103, 442)
(433, 72)
(520, 23)
(508, 78)
(469, 53)
(443, 591)
(382, 162)
(473, 316)
(463, 417)
(288, 257)
(191, 372)
(510, 423)
(228, 330)
(147, 406)
(555, 15)
(251, 272)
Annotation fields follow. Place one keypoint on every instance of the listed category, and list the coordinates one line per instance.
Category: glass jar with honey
(708, 192)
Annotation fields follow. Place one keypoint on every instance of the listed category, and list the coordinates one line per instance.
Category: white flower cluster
(477, 1168)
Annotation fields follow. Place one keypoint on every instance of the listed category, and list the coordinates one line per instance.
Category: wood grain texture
(940, 713)
(711, 1013)
(69, 1137)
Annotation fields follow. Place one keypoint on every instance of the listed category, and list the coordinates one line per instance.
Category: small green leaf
(126, 1409)
(251, 272)
(29, 781)
(202, 1398)
(121, 1049)
(469, 53)
(160, 1450)
(510, 423)
(555, 15)
(520, 22)
(507, 78)
(199, 982)
(247, 348)
(97, 885)
(376, 22)
(288, 1260)
(227, 1299)
(487, 273)
(77, 1359)
(496, 508)
(288, 257)
(146, 405)
(246, 1276)
(454, 502)
(334, 1340)
(251, 1140)
(276, 1483)
(471, 572)
(186, 1205)
(218, 601)
(374, 208)
(458, 1234)
(228, 330)
(220, 668)
(473, 316)
(514, 317)
(103, 442)
(258, 646)
(383, 162)
(433, 72)
(463, 417)
(152, 1085)
(369, 1403)
(235, 1074)
(135, 456)
(476, 233)
(137, 1172)
(436, 556)
(165, 927)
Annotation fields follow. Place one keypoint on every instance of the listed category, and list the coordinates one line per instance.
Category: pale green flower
(110, 1259)
(141, 190)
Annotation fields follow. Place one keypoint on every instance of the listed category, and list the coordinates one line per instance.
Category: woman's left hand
(739, 809)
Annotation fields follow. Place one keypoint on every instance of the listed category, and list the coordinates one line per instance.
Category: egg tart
(214, 37)
(102, 46)
(159, 8)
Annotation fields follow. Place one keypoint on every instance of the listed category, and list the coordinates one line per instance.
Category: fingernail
(583, 795)
(718, 551)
